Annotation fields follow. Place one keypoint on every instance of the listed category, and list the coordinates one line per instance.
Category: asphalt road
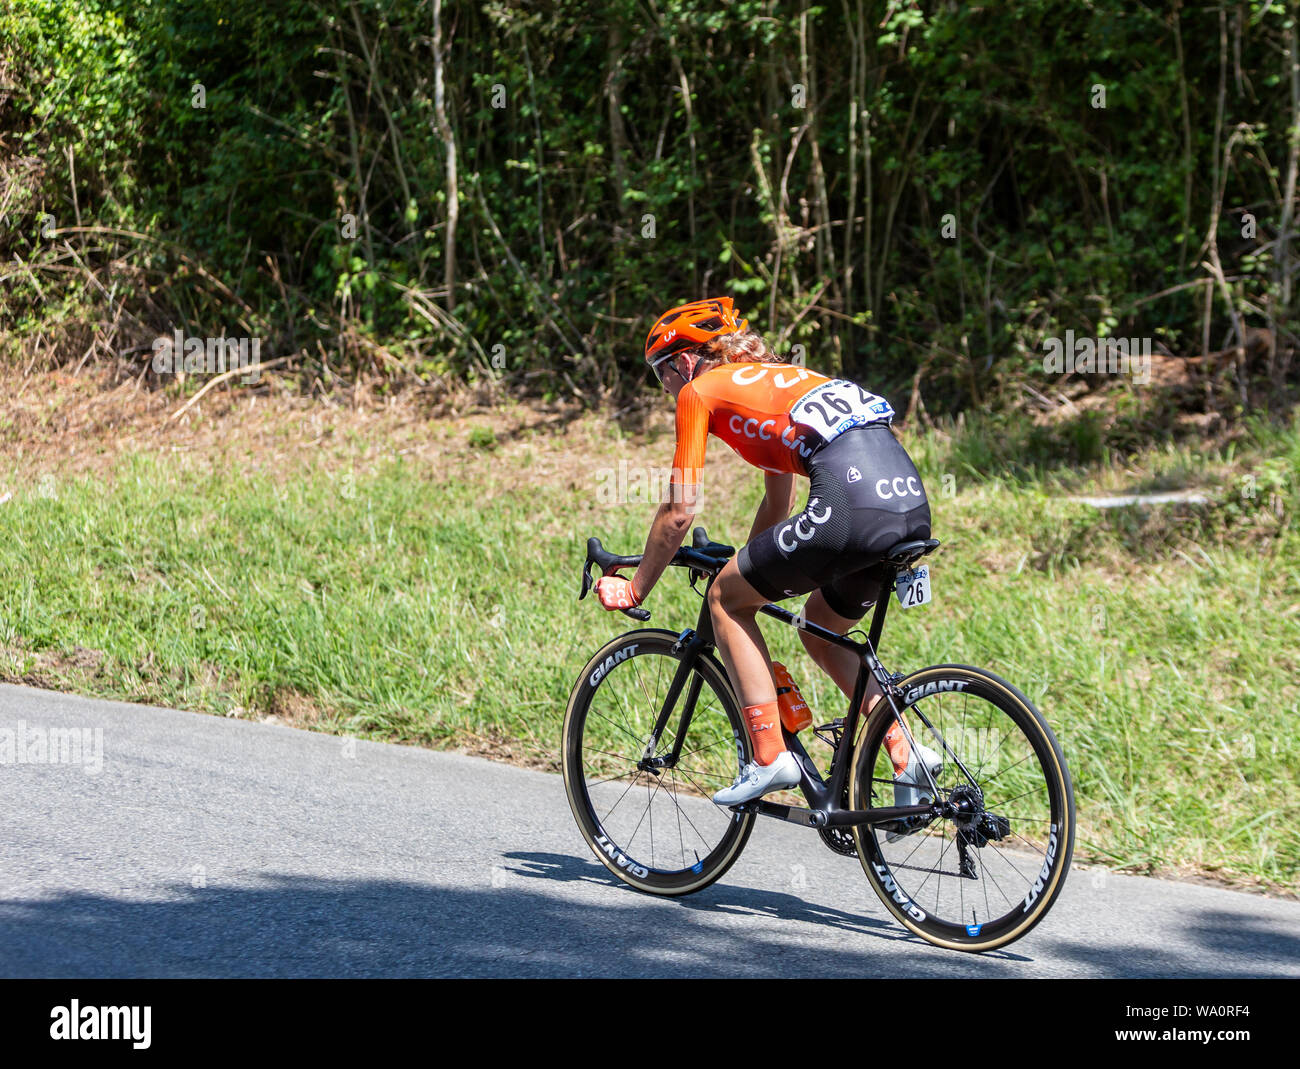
(191, 845)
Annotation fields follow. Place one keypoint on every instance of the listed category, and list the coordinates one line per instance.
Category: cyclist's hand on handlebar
(615, 592)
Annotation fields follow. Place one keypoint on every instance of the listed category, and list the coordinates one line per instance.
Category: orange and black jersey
(775, 416)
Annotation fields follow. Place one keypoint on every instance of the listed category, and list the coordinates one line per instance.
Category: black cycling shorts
(864, 496)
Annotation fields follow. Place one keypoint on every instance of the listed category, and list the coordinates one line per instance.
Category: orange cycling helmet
(689, 325)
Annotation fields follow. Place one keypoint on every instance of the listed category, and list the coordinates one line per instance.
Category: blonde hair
(742, 347)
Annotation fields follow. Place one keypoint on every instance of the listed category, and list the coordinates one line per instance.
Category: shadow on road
(295, 926)
(1257, 949)
(724, 899)
(512, 926)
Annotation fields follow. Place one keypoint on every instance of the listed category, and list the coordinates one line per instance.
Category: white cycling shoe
(755, 780)
(912, 788)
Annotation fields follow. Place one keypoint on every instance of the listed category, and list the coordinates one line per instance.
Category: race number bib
(913, 587)
(832, 408)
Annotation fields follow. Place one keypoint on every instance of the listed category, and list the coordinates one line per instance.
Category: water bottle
(795, 714)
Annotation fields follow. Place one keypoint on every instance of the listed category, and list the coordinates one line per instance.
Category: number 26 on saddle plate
(913, 587)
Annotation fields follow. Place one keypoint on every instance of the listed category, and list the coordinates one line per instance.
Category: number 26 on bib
(913, 587)
(832, 408)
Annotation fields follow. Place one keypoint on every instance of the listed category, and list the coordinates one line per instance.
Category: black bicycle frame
(822, 796)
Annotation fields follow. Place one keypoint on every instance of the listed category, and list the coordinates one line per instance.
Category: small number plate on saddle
(913, 587)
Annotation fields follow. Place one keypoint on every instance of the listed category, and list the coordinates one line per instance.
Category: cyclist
(864, 495)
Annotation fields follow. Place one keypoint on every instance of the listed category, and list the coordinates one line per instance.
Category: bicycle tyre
(1040, 816)
(601, 748)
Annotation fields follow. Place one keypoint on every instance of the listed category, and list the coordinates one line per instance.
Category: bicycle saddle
(905, 553)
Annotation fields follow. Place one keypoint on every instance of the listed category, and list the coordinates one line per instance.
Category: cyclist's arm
(670, 525)
(777, 503)
(675, 515)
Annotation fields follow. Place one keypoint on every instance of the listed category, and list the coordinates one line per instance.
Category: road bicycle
(653, 729)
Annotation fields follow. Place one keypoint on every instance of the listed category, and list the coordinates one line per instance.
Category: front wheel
(987, 866)
(646, 815)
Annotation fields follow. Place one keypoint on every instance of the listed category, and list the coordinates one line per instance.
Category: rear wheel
(654, 827)
(987, 869)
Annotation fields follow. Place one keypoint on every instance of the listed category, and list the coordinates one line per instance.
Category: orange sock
(764, 724)
(899, 750)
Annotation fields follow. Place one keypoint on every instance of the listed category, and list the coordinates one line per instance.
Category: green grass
(398, 601)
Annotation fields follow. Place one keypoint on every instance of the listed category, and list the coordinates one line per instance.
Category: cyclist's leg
(838, 663)
(733, 603)
(764, 570)
(778, 563)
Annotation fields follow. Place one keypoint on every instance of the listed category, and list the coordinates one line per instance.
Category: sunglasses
(672, 362)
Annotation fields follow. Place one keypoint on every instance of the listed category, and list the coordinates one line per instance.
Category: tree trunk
(449, 143)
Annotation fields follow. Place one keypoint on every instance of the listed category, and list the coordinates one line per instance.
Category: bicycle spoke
(618, 697)
(1023, 819)
(632, 838)
(989, 878)
(1031, 846)
(682, 812)
(620, 727)
(988, 908)
(938, 864)
(680, 841)
(710, 746)
(606, 753)
(704, 772)
(676, 805)
(650, 810)
(610, 812)
(704, 791)
(1002, 804)
(1027, 757)
(631, 772)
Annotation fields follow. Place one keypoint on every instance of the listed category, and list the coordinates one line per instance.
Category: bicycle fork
(693, 642)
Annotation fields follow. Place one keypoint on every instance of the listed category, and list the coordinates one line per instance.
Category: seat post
(897, 558)
(882, 606)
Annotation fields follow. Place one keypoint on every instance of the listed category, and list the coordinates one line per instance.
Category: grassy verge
(424, 591)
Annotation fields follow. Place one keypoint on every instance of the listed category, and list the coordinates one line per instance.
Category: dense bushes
(901, 188)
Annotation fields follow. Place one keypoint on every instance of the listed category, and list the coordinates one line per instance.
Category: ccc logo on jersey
(782, 378)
